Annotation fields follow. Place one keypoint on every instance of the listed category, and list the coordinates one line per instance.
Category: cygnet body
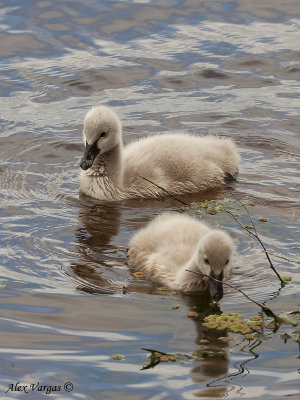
(173, 243)
(175, 162)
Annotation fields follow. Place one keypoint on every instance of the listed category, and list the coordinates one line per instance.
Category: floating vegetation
(271, 325)
(286, 278)
(285, 336)
(175, 307)
(261, 219)
(251, 329)
(117, 357)
(290, 318)
(249, 227)
(224, 339)
(209, 354)
(164, 289)
(234, 323)
(249, 336)
(212, 207)
(166, 358)
(256, 328)
(212, 211)
(203, 341)
(227, 321)
(192, 314)
(157, 357)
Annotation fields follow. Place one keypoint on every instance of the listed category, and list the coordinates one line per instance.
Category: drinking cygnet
(173, 243)
(174, 162)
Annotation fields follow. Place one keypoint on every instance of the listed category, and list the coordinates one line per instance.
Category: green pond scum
(255, 328)
(118, 357)
(212, 207)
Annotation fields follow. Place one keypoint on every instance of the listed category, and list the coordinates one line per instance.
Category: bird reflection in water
(100, 265)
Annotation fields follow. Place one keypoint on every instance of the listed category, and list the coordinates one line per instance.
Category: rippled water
(68, 298)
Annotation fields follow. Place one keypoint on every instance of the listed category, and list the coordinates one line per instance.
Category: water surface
(69, 300)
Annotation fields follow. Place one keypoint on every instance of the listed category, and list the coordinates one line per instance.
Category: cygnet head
(215, 259)
(101, 133)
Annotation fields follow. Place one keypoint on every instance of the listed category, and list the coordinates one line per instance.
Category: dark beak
(91, 152)
(228, 178)
(216, 288)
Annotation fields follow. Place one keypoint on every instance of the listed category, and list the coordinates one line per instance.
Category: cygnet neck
(111, 164)
(188, 280)
(192, 264)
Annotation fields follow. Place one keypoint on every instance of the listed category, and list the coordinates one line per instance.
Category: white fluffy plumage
(172, 243)
(178, 162)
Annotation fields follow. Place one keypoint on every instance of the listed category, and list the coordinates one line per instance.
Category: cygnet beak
(216, 288)
(91, 152)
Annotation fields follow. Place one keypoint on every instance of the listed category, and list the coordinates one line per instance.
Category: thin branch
(245, 208)
(155, 351)
(166, 354)
(228, 212)
(265, 309)
(165, 190)
(288, 152)
(285, 258)
(256, 235)
(228, 284)
(283, 151)
(260, 242)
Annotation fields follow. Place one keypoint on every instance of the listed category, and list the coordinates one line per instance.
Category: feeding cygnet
(173, 243)
(177, 162)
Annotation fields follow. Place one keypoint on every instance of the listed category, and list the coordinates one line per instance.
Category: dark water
(68, 299)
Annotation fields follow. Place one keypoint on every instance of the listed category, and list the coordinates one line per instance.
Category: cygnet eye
(206, 261)
(227, 261)
(103, 134)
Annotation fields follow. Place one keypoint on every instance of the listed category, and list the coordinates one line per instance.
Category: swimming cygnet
(177, 162)
(173, 243)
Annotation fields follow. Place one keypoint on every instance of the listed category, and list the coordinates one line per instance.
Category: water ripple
(227, 68)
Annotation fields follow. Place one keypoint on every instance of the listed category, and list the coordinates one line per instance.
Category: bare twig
(245, 208)
(255, 234)
(283, 151)
(165, 354)
(265, 309)
(155, 351)
(284, 258)
(233, 216)
(165, 190)
(227, 284)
